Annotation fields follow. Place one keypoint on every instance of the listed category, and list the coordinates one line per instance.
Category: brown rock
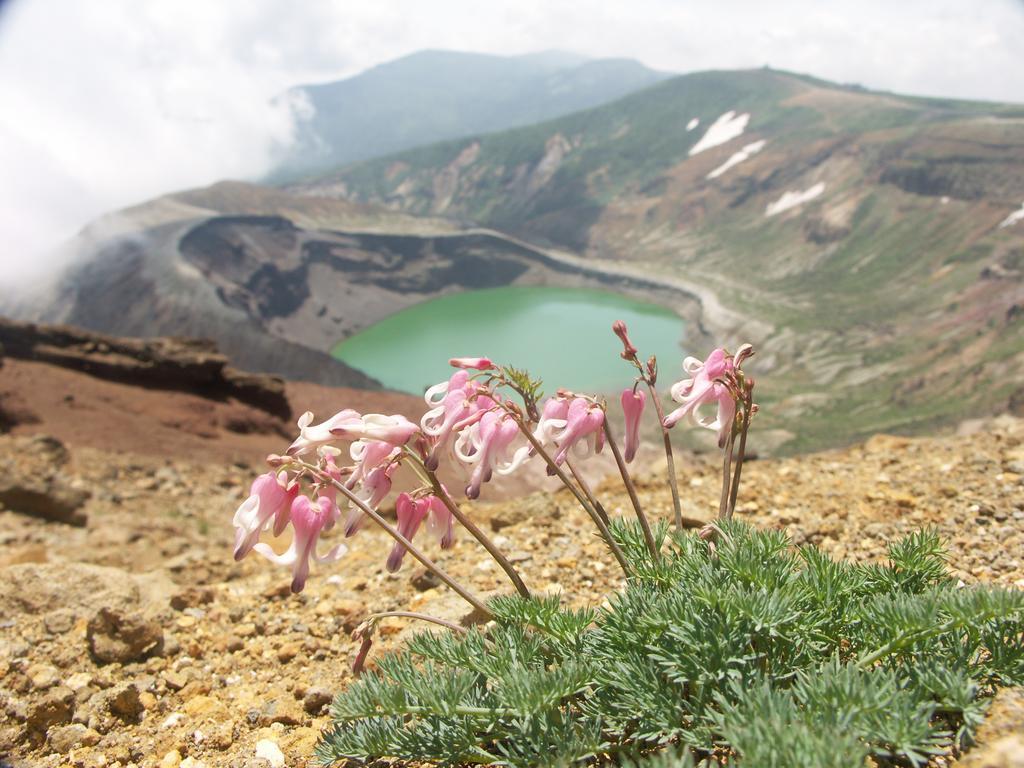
(123, 701)
(284, 710)
(122, 637)
(81, 589)
(423, 580)
(64, 738)
(288, 651)
(175, 680)
(49, 498)
(192, 598)
(55, 708)
(316, 699)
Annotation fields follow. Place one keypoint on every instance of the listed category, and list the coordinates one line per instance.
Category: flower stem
(739, 460)
(724, 513)
(421, 616)
(669, 457)
(476, 533)
(631, 490)
(411, 548)
(585, 487)
(605, 533)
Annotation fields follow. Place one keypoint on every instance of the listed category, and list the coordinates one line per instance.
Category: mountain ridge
(865, 241)
(434, 95)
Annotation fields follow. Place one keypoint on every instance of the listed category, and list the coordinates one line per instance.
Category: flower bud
(620, 330)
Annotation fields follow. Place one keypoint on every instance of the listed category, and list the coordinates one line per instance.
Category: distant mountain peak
(435, 95)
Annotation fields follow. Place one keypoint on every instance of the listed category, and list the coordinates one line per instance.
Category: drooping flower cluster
(712, 382)
(572, 423)
(275, 500)
(470, 426)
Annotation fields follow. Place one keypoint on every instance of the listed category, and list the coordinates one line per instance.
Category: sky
(110, 103)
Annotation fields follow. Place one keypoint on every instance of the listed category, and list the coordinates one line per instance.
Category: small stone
(172, 720)
(185, 622)
(245, 630)
(78, 681)
(64, 738)
(234, 643)
(316, 699)
(114, 636)
(288, 651)
(191, 762)
(59, 622)
(55, 708)
(171, 646)
(201, 706)
(270, 752)
(423, 580)
(43, 676)
(175, 680)
(284, 710)
(192, 597)
(124, 702)
(171, 760)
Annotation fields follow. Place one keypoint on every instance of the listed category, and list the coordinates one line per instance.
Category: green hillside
(888, 298)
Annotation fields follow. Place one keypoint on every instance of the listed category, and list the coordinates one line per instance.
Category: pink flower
(479, 363)
(486, 444)
(349, 425)
(312, 437)
(411, 513)
(375, 487)
(583, 426)
(633, 401)
(394, 429)
(308, 520)
(462, 402)
(367, 455)
(705, 387)
(570, 423)
(270, 496)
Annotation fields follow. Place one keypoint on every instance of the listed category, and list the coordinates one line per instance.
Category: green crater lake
(562, 335)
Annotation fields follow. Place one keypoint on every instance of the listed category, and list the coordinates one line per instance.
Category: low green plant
(724, 646)
(738, 649)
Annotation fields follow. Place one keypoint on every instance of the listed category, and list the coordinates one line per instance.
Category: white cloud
(107, 103)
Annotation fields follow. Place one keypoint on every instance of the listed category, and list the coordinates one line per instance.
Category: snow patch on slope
(738, 157)
(693, 124)
(725, 128)
(1013, 218)
(793, 199)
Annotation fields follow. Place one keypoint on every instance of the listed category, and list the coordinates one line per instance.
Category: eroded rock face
(189, 365)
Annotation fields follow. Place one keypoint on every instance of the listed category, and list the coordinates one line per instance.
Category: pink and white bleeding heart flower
(462, 402)
(308, 520)
(350, 425)
(312, 436)
(368, 455)
(372, 491)
(411, 513)
(486, 444)
(633, 401)
(269, 503)
(705, 387)
(571, 423)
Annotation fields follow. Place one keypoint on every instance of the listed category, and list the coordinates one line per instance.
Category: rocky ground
(128, 636)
